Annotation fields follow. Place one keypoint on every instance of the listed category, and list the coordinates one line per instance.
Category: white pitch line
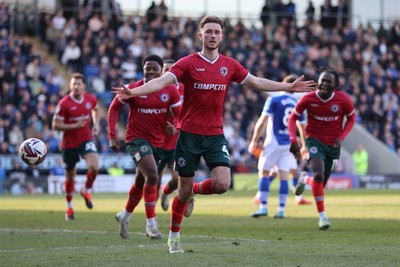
(110, 232)
(79, 248)
(216, 238)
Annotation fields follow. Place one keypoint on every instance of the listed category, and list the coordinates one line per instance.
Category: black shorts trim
(186, 174)
(217, 164)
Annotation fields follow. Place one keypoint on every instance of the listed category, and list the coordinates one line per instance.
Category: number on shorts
(90, 146)
(224, 149)
(334, 164)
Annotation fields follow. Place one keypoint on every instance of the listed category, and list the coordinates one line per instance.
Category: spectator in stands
(17, 177)
(52, 35)
(310, 10)
(59, 20)
(280, 11)
(58, 169)
(4, 16)
(360, 157)
(71, 56)
(151, 14)
(3, 131)
(15, 136)
(162, 11)
(327, 11)
(342, 12)
(33, 68)
(265, 13)
(115, 170)
(95, 23)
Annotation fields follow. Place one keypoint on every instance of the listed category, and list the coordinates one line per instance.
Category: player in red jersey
(145, 137)
(72, 116)
(168, 151)
(206, 76)
(326, 109)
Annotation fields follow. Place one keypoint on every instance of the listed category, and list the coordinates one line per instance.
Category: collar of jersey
(206, 59)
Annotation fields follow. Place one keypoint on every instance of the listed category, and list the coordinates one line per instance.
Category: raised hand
(302, 86)
(122, 92)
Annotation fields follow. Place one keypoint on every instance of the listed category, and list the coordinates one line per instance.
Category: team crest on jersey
(335, 108)
(313, 150)
(223, 71)
(88, 106)
(164, 98)
(143, 149)
(181, 162)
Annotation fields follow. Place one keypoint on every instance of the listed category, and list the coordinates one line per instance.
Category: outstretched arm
(152, 86)
(261, 84)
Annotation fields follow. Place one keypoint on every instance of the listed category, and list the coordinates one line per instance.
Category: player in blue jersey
(275, 154)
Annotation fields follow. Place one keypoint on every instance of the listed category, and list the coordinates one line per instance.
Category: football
(33, 151)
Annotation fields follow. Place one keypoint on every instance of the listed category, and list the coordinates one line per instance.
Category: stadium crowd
(108, 50)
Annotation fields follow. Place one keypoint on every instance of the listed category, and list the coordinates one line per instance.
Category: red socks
(150, 200)
(178, 209)
(89, 179)
(167, 190)
(204, 188)
(318, 192)
(69, 190)
(135, 195)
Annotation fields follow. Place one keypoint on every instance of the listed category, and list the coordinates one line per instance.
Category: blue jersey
(278, 108)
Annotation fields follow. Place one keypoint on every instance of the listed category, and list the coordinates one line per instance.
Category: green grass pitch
(365, 231)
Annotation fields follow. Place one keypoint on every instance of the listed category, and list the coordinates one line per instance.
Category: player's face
(151, 70)
(167, 67)
(326, 85)
(211, 35)
(77, 87)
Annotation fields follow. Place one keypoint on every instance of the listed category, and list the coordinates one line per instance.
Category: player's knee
(152, 179)
(221, 187)
(93, 169)
(318, 176)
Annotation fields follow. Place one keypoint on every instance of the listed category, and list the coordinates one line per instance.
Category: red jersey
(147, 114)
(71, 110)
(325, 117)
(170, 140)
(206, 84)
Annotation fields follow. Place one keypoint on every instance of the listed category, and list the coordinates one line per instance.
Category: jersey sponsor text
(210, 86)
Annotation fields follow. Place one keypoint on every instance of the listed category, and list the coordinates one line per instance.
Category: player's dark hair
(335, 75)
(153, 58)
(211, 19)
(290, 78)
(78, 75)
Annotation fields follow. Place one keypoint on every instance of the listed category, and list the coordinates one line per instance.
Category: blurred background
(43, 41)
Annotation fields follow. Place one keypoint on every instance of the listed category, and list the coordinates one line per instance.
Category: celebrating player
(72, 116)
(206, 76)
(145, 136)
(326, 109)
